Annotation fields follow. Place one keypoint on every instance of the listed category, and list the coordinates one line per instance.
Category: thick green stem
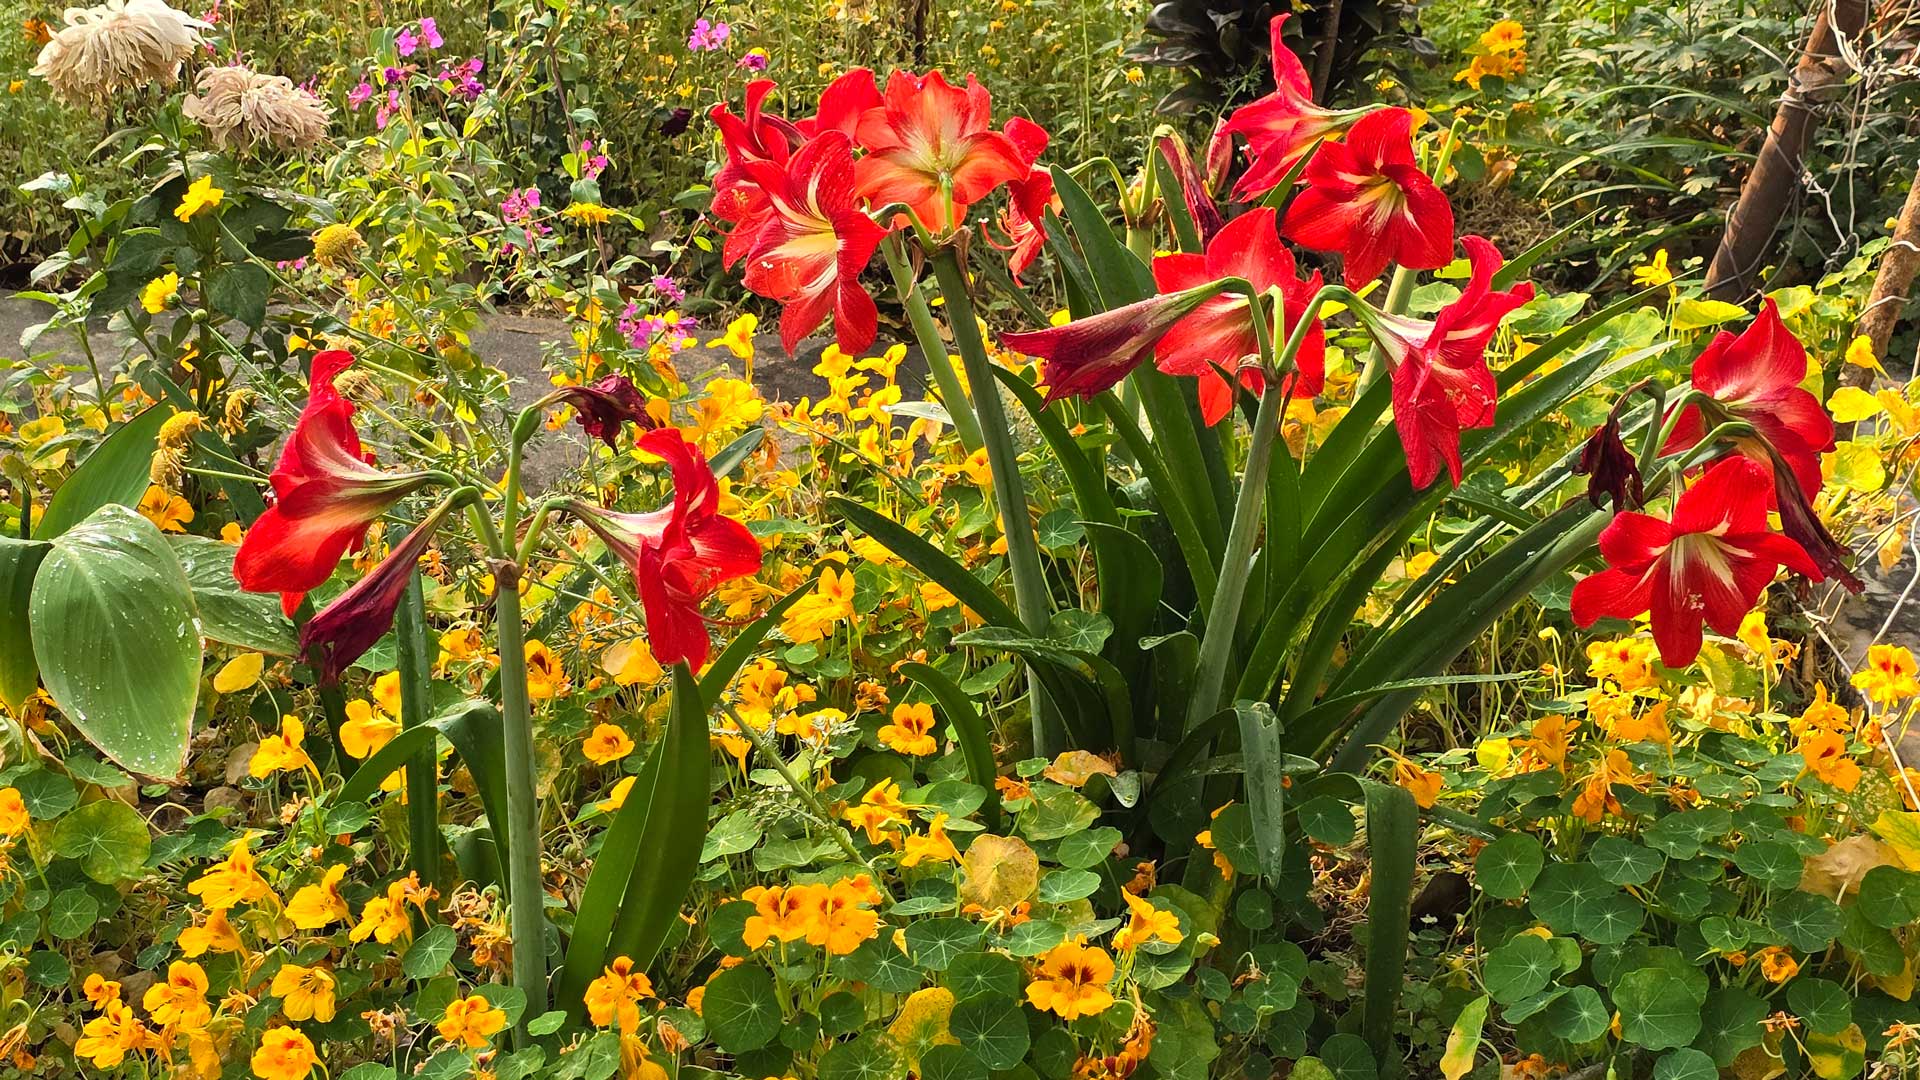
(524, 891)
(416, 708)
(1009, 492)
(927, 334)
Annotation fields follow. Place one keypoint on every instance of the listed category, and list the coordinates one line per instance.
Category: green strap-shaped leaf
(929, 560)
(1082, 298)
(675, 830)
(115, 473)
(1393, 832)
(473, 728)
(734, 453)
(414, 663)
(1104, 716)
(976, 741)
(1118, 274)
(118, 639)
(1266, 783)
(1175, 501)
(19, 674)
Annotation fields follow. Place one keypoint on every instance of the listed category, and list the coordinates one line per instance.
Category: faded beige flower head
(238, 105)
(119, 44)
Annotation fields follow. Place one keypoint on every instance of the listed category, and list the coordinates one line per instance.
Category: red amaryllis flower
(1367, 199)
(1219, 333)
(756, 136)
(1441, 383)
(1087, 356)
(813, 241)
(345, 629)
(931, 146)
(842, 104)
(1707, 565)
(1755, 378)
(679, 553)
(1028, 199)
(603, 407)
(1281, 127)
(326, 495)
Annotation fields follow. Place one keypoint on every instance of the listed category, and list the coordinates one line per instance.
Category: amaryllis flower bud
(1219, 158)
(345, 629)
(1610, 467)
(326, 496)
(1804, 527)
(1193, 188)
(678, 553)
(604, 406)
(1087, 356)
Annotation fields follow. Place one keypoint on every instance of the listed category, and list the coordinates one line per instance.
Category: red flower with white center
(1219, 333)
(1281, 127)
(325, 496)
(1090, 355)
(1756, 378)
(679, 553)
(1441, 382)
(755, 137)
(1367, 199)
(931, 147)
(1028, 199)
(812, 243)
(1708, 565)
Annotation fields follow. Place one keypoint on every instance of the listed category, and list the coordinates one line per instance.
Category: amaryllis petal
(1367, 200)
(931, 146)
(753, 137)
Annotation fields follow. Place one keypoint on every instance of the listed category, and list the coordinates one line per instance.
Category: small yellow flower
(305, 993)
(334, 246)
(609, 742)
(587, 214)
(1072, 981)
(14, 819)
(1146, 923)
(1889, 675)
(472, 1022)
(1860, 354)
(281, 752)
(284, 1054)
(201, 195)
(1655, 273)
(739, 337)
(165, 509)
(160, 292)
(911, 732)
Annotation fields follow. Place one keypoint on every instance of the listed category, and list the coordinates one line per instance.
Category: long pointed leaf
(676, 829)
(976, 742)
(1393, 832)
(931, 561)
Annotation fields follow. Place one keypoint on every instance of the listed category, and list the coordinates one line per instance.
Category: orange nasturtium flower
(785, 913)
(305, 993)
(617, 993)
(107, 1038)
(319, 905)
(472, 1022)
(843, 922)
(216, 935)
(911, 732)
(232, 882)
(182, 999)
(879, 811)
(282, 752)
(935, 846)
(284, 1054)
(1147, 923)
(607, 743)
(1072, 981)
(14, 818)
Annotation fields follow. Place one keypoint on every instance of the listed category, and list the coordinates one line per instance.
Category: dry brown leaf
(1837, 871)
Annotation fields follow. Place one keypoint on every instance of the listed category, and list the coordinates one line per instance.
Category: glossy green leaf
(1393, 831)
(115, 629)
(229, 614)
(19, 673)
(937, 565)
(115, 473)
(976, 740)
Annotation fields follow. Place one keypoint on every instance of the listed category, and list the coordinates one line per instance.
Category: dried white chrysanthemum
(237, 105)
(119, 44)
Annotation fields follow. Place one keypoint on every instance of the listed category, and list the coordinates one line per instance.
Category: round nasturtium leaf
(1657, 1010)
(741, 1008)
(109, 838)
(1507, 867)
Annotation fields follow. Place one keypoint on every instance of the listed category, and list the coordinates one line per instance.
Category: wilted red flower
(1441, 383)
(1087, 356)
(603, 407)
(932, 147)
(812, 241)
(1367, 199)
(326, 495)
(1194, 191)
(1708, 565)
(679, 553)
(1756, 378)
(1611, 469)
(345, 629)
(1279, 128)
(1028, 199)
(1220, 331)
